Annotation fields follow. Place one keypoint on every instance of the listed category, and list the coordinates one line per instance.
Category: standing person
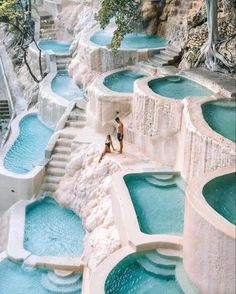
(120, 133)
(107, 148)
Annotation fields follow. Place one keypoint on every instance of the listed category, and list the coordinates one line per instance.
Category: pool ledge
(127, 223)
(104, 103)
(14, 185)
(212, 239)
(200, 139)
(17, 252)
(101, 59)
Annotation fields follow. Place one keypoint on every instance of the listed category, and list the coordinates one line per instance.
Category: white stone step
(162, 262)
(62, 150)
(60, 157)
(52, 179)
(64, 142)
(49, 187)
(57, 163)
(55, 171)
(67, 135)
(75, 124)
(77, 117)
(155, 270)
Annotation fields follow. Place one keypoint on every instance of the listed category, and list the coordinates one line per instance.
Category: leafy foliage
(17, 16)
(126, 14)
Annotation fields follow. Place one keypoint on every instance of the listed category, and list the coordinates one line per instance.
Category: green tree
(17, 16)
(126, 14)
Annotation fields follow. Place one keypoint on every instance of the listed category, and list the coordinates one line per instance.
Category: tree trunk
(209, 53)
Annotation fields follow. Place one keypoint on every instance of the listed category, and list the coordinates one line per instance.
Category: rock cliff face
(183, 22)
(85, 189)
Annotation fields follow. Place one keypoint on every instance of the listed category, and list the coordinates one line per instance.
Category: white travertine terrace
(104, 104)
(171, 133)
(201, 149)
(85, 189)
(209, 241)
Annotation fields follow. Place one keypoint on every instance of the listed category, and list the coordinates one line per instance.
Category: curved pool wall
(158, 201)
(18, 279)
(133, 228)
(130, 41)
(221, 117)
(178, 87)
(55, 46)
(202, 149)
(100, 59)
(158, 123)
(51, 230)
(149, 272)
(212, 239)
(63, 85)
(220, 194)
(28, 149)
(104, 103)
(37, 232)
(18, 186)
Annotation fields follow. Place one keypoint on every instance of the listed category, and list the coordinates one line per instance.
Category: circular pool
(148, 272)
(64, 86)
(56, 46)
(220, 194)
(221, 117)
(177, 87)
(134, 40)
(122, 81)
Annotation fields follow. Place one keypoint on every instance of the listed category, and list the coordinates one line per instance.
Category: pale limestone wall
(155, 124)
(85, 189)
(4, 227)
(104, 104)
(202, 150)
(209, 242)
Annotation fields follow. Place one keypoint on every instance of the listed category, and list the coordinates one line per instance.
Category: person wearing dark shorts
(120, 133)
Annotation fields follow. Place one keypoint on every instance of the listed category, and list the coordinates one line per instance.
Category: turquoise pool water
(28, 149)
(56, 46)
(177, 87)
(17, 279)
(135, 41)
(221, 117)
(52, 230)
(220, 193)
(158, 203)
(146, 273)
(64, 86)
(122, 81)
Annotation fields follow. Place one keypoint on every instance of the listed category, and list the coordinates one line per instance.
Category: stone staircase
(166, 267)
(60, 284)
(56, 167)
(167, 56)
(4, 110)
(47, 27)
(63, 61)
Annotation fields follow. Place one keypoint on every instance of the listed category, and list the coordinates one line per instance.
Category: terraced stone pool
(133, 40)
(220, 193)
(221, 117)
(51, 230)
(149, 273)
(28, 149)
(64, 86)
(57, 46)
(18, 279)
(178, 87)
(158, 200)
(122, 81)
